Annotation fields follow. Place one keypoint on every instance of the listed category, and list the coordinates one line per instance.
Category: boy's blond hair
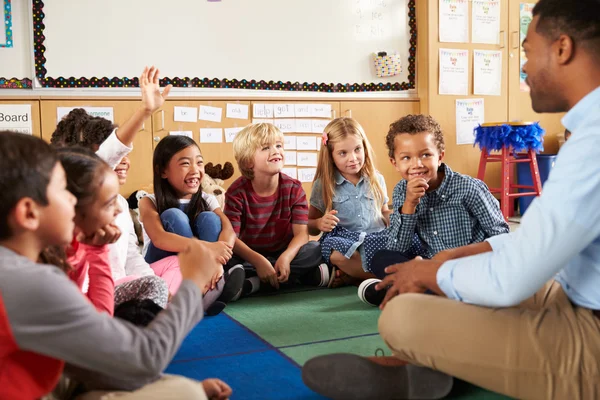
(336, 131)
(250, 139)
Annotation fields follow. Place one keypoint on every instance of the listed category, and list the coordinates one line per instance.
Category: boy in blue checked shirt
(434, 208)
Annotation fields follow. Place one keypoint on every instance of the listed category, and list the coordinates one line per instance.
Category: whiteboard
(312, 41)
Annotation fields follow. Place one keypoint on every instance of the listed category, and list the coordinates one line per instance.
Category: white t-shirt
(125, 256)
(211, 201)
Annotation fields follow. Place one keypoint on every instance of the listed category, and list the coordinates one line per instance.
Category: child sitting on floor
(434, 208)
(45, 321)
(269, 214)
(348, 200)
(179, 210)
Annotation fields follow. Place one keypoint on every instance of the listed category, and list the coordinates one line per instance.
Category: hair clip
(324, 138)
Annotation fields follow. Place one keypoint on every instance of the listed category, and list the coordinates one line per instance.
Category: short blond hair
(250, 139)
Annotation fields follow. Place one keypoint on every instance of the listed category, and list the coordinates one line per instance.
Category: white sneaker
(325, 276)
(368, 294)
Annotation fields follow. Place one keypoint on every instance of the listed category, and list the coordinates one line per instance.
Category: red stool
(507, 156)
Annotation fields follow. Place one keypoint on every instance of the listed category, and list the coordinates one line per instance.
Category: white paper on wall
(318, 125)
(306, 174)
(237, 111)
(469, 114)
(104, 112)
(486, 21)
(304, 126)
(291, 172)
(289, 158)
(208, 113)
(230, 133)
(454, 72)
(320, 110)
(307, 159)
(185, 114)
(211, 135)
(306, 143)
(16, 117)
(454, 21)
(487, 72)
(284, 110)
(262, 110)
(285, 125)
(289, 142)
(302, 110)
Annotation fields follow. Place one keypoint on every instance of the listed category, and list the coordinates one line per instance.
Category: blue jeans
(206, 226)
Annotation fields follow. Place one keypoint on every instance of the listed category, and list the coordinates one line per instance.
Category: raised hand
(152, 98)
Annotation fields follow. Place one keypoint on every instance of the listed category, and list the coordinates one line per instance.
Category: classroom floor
(259, 345)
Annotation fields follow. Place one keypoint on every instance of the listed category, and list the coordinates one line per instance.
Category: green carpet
(306, 324)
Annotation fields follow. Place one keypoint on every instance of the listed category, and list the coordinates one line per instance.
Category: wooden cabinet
(140, 174)
(376, 117)
(35, 113)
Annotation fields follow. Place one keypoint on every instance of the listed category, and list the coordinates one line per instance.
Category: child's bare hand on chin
(198, 264)
(108, 234)
(216, 389)
(415, 190)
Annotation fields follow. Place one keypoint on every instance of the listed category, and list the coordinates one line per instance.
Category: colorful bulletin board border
(14, 83)
(7, 22)
(104, 82)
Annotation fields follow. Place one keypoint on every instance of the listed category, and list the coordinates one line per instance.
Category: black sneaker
(234, 282)
(369, 295)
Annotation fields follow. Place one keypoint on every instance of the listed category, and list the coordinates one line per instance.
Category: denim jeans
(206, 226)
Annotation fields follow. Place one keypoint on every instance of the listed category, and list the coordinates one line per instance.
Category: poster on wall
(454, 72)
(104, 112)
(525, 17)
(6, 38)
(454, 21)
(469, 114)
(487, 72)
(16, 117)
(486, 22)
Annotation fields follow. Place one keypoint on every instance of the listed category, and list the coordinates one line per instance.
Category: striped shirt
(265, 223)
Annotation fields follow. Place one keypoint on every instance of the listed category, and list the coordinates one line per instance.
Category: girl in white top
(179, 211)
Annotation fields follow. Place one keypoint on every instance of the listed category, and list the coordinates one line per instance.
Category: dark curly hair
(413, 124)
(578, 19)
(78, 128)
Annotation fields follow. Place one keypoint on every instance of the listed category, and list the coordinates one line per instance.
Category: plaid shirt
(460, 212)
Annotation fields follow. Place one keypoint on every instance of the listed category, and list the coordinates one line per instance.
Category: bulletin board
(291, 45)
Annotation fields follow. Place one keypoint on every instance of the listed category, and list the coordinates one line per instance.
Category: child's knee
(174, 214)
(208, 218)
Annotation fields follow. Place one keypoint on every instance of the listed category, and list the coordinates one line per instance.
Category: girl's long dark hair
(165, 194)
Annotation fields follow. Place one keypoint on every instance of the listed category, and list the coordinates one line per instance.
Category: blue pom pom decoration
(517, 137)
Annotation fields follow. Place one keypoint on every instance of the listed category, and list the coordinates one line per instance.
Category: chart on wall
(525, 17)
(294, 45)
